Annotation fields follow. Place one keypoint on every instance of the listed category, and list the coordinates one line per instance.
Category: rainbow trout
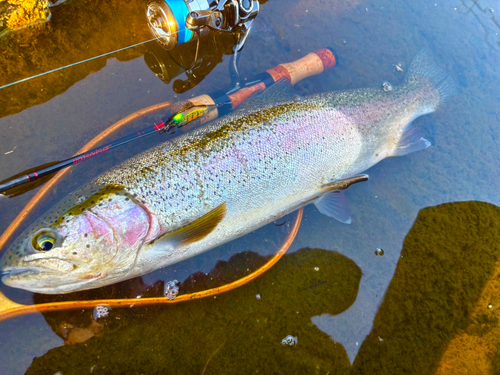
(222, 181)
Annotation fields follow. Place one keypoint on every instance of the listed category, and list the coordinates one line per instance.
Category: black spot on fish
(85, 235)
(88, 246)
(75, 253)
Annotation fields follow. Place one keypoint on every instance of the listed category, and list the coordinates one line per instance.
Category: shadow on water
(233, 333)
(485, 16)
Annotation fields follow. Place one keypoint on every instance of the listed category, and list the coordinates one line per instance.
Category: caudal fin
(423, 66)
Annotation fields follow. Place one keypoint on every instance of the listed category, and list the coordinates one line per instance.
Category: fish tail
(423, 68)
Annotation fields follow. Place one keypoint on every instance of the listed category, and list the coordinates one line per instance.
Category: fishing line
(78, 62)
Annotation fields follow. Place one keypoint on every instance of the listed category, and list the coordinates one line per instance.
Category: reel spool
(175, 22)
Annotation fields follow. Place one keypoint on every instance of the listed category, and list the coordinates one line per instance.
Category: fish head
(92, 244)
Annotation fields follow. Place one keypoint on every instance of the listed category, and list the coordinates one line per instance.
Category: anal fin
(334, 203)
(412, 140)
(198, 229)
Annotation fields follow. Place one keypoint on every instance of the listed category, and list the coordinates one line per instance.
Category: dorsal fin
(198, 229)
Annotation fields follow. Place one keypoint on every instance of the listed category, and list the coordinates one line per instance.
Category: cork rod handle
(310, 65)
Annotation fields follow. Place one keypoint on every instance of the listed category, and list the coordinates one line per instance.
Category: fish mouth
(27, 278)
(31, 279)
(17, 273)
(13, 276)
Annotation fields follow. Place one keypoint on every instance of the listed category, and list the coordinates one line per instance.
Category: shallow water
(429, 304)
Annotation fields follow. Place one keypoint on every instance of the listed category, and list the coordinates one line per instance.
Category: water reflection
(101, 28)
(233, 333)
(440, 314)
(485, 16)
(463, 165)
(194, 59)
(78, 30)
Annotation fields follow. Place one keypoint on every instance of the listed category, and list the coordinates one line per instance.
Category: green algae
(232, 333)
(448, 257)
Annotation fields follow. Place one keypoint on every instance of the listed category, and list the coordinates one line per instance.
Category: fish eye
(44, 241)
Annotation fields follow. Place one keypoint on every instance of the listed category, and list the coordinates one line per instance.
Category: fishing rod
(312, 64)
(203, 108)
(41, 174)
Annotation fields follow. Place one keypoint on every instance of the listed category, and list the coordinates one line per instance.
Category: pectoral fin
(334, 203)
(198, 229)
